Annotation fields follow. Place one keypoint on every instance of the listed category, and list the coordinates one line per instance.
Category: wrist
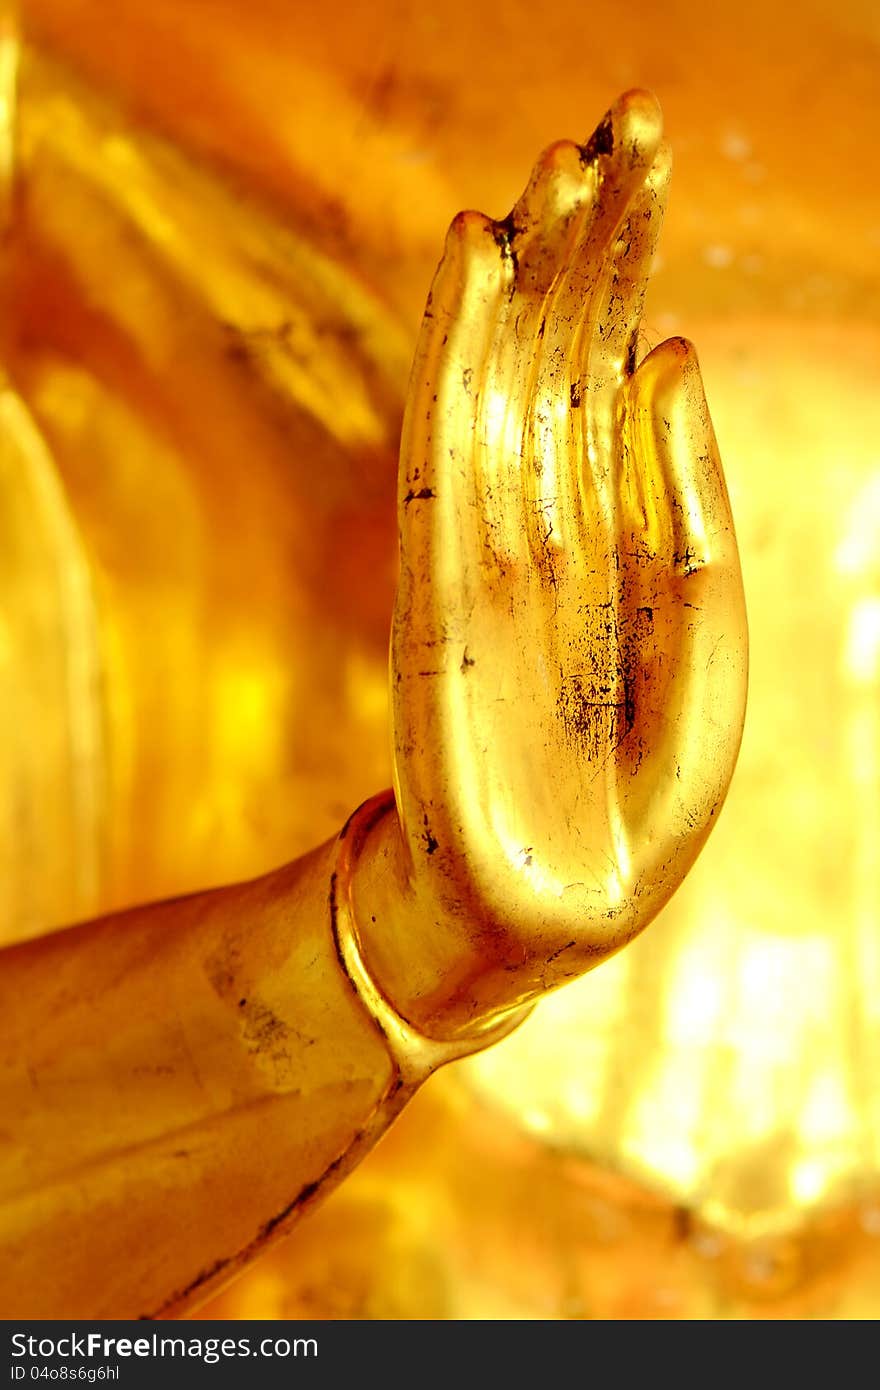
(414, 967)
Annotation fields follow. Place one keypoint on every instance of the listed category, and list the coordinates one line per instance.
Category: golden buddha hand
(570, 646)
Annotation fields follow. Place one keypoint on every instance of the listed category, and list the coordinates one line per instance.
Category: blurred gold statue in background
(211, 288)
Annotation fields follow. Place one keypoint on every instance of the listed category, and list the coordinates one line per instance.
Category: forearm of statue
(181, 1080)
(178, 1082)
(568, 686)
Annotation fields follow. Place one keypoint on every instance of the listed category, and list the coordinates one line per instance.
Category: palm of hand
(570, 640)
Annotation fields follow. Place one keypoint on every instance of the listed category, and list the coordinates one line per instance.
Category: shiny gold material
(195, 645)
(568, 671)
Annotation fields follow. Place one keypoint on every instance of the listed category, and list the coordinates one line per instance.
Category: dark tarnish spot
(264, 1032)
(594, 719)
(466, 662)
(505, 233)
(421, 496)
(223, 969)
(431, 844)
(687, 562)
(597, 703)
(575, 395)
(560, 950)
(600, 142)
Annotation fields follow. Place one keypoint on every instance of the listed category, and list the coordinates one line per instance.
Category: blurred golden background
(221, 222)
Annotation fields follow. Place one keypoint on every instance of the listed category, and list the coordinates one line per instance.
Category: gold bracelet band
(415, 1054)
